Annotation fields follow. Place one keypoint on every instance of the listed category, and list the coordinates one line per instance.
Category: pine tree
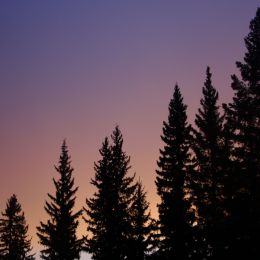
(14, 242)
(243, 119)
(173, 183)
(58, 235)
(210, 157)
(99, 208)
(141, 225)
(109, 210)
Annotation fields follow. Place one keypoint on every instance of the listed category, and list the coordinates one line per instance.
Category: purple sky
(75, 69)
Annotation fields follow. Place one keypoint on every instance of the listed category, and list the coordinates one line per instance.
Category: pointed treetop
(208, 90)
(177, 91)
(117, 137)
(64, 147)
(64, 143)
(250, 70)
(177, 109)
(208, 76)
(12, 204)
(13, 199)
(117, 131)
(177, 98)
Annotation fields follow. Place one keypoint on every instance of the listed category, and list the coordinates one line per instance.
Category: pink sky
(76, 69)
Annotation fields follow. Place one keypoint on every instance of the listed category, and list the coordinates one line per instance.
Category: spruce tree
(208, 146)
(14, 241)
(99, 210)
(243, 119)
(141, 225)
(173, 183)
(58, 234)
(109, 210)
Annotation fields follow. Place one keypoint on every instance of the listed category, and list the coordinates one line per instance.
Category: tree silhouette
(210, 158)
(99, 208)
(173, 182)
(58, 235)
(141, 225)
(109, 210)
(14, 242)
(243, 119)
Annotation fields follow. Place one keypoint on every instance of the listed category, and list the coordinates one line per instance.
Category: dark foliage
(109, 211)
(58, 235)
(243, 120)
(173, 182)
(142, 225)
(211, 161)
(14, 242)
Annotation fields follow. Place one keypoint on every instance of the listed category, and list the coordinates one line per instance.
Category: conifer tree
(173, 183)
(58, 234)
(109, 210)
(210, 157)
(14, 241)
(243, 119)
(141, 225)
(99, 209)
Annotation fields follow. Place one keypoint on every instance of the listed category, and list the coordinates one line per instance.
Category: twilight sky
(75, 69)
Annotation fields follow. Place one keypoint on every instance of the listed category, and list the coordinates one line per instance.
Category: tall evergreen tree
(14, 242)
(58, 235)
(210, 158)
(173, 182)
(109, 210)
(99, 208)
(243, 119)
(141, 225)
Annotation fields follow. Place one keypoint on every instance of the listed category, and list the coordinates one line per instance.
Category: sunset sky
(76, 69)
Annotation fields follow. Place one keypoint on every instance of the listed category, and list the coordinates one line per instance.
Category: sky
(76, 69)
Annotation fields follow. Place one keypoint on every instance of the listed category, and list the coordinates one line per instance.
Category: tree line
(208, 181)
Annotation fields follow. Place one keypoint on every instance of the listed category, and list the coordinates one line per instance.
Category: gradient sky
(75, 69)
